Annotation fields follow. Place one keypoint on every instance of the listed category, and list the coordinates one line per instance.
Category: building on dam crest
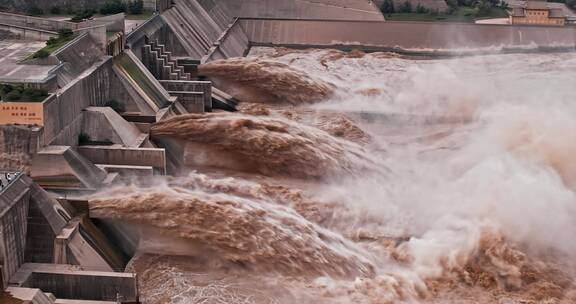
(537, 12)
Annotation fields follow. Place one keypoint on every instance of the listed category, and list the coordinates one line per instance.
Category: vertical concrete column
(162, 49)
(161, 65)
(167, 72)
(146, 49)
(169, 56)
(154, 63)
(61, 245)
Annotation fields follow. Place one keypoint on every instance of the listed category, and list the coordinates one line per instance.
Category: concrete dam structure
(130, 116)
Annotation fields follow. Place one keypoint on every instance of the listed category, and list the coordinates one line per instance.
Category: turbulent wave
(270, 145)
(278, 81)
(336, 124)
(481, 210)
(263, 234)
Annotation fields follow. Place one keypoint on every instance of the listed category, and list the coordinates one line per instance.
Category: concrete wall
(72, 283)
(147, 88)
(297, 9)
(36, 22)
(154, 29)
(113, 23)
(17, 145)
(90, 89)
(162, 5)
(233, 43)
(115, 45)
(78, 55)
(46, 5)
(103, 123)
(125, 156)
(46, 218)
(26, 33)
(40, 237)
(29, 220)
(14, 202)
(404, 35)
(195, 96)
(61, 167)
(194, 26)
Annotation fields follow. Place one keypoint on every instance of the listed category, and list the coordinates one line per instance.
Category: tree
(41, 54)
(13, 96)
(35, 11)
(136, 7)
(421, 9)
(55, 10)
(486, 6)
(503, 5)
(571, 4)
(452, 6)
(406, 7)
(387, 7)
(111, 7)
(81, 16)
(65, 33)
(51, 41)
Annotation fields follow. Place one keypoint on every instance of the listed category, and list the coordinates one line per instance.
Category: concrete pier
(72, 282)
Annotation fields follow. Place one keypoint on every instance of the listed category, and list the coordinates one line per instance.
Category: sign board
(24, 113)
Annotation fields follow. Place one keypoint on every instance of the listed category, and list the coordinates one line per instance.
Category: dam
(262, 151)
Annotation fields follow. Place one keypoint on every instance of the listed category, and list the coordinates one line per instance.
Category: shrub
(406, 7)
(136, 7)
(35, 11)
(81, 16)
(387, 7)
(420, 9)
(18, 88)
(111, 7)
(13, 96)
(55, 10)
(51, 41)
(65, 33)
(5, 88)
(41, 54)
(32, 94)
(83, 139)
(452, 6)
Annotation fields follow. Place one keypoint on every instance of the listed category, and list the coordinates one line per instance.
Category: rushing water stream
(367, 178)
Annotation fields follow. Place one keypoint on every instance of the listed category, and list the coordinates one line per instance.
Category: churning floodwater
(366, 178)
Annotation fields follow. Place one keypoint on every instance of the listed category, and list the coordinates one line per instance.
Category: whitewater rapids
(368, 193)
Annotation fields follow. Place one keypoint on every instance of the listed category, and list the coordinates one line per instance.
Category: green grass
(462, 14)
(29, 99)
(19, 93)
(60, 42)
